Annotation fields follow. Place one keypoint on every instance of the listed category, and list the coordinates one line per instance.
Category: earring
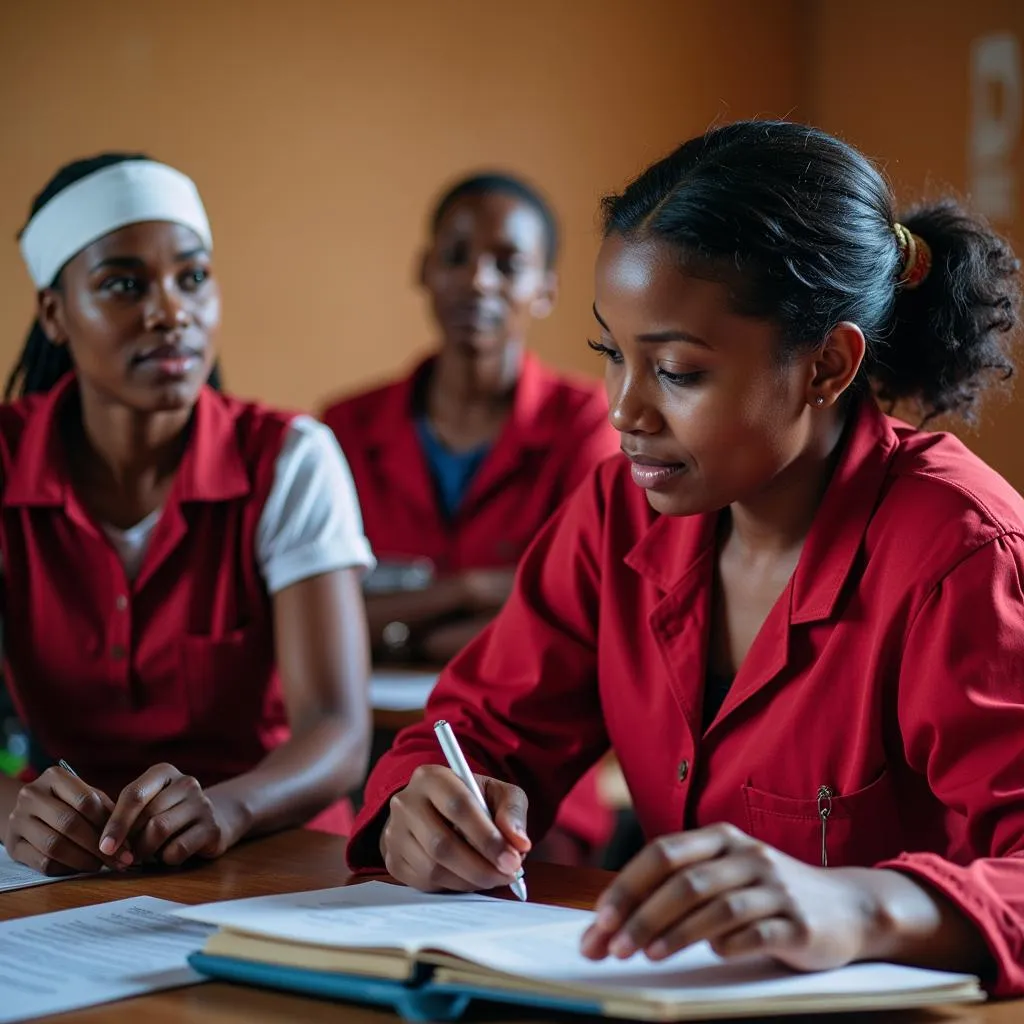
(819, 400)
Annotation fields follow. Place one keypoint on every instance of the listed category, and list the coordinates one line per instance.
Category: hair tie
(915, 257)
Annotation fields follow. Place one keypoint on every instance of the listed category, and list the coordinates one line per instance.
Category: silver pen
(457, 762)
(67, 768)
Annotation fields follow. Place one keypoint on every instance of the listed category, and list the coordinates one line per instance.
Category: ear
(547, 295)
(835, 365)
(50, 312)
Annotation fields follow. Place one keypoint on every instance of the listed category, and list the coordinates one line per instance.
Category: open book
(482, 947)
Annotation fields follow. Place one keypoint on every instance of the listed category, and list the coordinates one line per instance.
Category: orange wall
(319, 130)
(895, 79)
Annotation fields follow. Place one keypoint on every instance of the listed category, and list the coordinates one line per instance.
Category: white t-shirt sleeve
(311, 523)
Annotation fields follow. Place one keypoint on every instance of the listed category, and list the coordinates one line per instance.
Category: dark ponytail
(802, 228)
(42, 363)
(950, 332)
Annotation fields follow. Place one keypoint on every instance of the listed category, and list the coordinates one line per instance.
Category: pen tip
(519, 888)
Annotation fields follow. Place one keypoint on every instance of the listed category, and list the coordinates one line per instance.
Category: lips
(169, 359)
(477, 316)
(166, 355)
(167, 351)
(651, 473)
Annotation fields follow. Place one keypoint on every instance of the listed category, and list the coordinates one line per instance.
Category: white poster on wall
(997, 104)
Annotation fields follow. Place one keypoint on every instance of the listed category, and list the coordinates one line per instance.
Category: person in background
(796, 620)
(179, 570)
(460, 463)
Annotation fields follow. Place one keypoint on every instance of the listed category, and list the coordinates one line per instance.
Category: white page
(551, 954)
(398, 690)
(375, 915)
(16, 876)
(51, 963)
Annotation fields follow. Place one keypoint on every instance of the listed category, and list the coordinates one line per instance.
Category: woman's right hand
(437, 837)
(56, 824)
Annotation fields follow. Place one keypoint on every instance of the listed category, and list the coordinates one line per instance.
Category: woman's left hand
(169, 817)
(741, 895)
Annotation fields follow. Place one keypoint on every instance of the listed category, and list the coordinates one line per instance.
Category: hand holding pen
(56, 824)
(444, 834)
(457, 762)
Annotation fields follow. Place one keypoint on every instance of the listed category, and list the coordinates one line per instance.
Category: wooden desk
(410, 681)
(388, 721)
(298, 860)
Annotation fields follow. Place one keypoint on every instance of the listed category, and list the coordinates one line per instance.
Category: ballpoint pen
(457, 762)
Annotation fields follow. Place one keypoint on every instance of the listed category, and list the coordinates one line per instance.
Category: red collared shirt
(556, 433)
(178, 664)
(890, 670)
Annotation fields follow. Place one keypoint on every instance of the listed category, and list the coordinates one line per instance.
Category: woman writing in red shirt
(179, 570)
(797, 621)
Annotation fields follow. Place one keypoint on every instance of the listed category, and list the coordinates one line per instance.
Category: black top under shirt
(716, 689)
(716, 684)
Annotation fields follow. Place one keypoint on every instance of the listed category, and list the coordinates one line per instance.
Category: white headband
(124, 193)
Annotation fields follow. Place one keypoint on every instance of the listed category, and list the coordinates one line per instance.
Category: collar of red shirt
(525, 424)
(672, 550)
(212, 469)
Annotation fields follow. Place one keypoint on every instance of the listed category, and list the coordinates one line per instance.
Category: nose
(486, 276)
(166, 309)
(630, 409)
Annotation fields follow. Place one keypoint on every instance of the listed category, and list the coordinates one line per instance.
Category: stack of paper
(56, 962)
(16, 876)
(400, 689)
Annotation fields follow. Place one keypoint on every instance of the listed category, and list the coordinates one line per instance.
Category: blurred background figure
(458, 464)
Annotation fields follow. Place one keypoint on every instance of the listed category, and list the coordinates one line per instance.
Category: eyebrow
(659, 336)
(133, 262)
(117, 261)
(506, 246)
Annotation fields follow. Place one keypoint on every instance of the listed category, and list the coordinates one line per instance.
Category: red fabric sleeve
(522, 698)
(961, 711)
(585, 443)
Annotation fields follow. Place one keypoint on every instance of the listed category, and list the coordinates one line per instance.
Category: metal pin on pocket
(824, 810)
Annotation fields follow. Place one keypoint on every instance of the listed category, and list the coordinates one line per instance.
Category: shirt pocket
(225, 681)
(859, 828)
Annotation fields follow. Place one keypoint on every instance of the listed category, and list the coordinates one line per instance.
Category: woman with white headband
(180, 575)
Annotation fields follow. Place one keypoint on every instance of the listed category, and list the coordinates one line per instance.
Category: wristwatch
(395, 636)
